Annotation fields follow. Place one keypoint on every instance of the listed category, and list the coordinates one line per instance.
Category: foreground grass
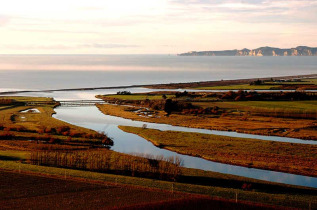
(278, 156)
(14, 155)
(293, 200)
(33, 191)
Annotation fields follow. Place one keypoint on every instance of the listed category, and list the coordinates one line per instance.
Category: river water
(47, 72)
(92, 118)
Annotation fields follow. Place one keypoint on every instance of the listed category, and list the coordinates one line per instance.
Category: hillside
(262, 51)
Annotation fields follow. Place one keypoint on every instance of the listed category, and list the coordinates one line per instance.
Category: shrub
(62, 129)
(107, 141)
(7, 136)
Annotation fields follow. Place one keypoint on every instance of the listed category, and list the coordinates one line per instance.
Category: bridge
(65, 103)
(81, 102)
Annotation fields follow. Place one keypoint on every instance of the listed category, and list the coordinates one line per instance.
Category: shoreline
(164, 85)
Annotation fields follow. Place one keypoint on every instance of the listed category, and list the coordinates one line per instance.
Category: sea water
(46, 72)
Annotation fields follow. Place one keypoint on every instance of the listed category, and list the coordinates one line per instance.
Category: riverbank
(20, 123)
(260, 125)
(276, 156)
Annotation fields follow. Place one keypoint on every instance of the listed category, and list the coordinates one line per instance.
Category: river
(92, 118)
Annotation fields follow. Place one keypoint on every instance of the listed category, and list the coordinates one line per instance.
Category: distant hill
(262, 51)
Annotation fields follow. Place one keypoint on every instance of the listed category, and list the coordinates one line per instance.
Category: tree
(168, 107)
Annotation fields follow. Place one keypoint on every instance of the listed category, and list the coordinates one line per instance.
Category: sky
(153, 26)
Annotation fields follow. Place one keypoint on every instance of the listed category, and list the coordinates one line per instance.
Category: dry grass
(278, 156)
(38, 125)
(296, 128)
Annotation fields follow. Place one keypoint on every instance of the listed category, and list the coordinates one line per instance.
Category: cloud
(110, 46)
(37, 47)
(74, 46)
(270, 11)
(54, 31)
(4, 20)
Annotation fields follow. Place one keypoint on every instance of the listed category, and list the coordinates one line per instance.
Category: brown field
(286, 127)
(29, 191)
(277, 156)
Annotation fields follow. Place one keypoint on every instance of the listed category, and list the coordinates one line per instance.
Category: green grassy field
(240, 87)
(294, 105)
(265, 86)
(138, 96)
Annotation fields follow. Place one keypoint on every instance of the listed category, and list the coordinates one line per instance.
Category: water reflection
(91, 117)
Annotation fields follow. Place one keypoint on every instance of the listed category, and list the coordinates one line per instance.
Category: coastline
(165, 86)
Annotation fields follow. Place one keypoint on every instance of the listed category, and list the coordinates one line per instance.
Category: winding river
(92, 118)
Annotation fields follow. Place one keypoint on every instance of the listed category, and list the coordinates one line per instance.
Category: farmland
(267, 85)
(27, 190)
(263, 192)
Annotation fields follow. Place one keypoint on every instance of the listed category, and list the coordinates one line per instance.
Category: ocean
(45, 72)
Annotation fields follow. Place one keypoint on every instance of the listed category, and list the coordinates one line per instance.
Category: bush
(7, 136)
(107, 141)
(62, 129)
(124, 93)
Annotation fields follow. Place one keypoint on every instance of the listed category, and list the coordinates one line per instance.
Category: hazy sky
(154, 26)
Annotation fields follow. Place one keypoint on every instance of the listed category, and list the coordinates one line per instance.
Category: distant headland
(262, 51)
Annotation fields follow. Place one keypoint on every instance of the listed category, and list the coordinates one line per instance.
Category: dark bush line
(124, 93)
(268, 96)
(214, 110)
(105, 142)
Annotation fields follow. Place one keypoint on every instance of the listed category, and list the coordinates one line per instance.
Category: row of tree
(268, 96)
(110, 162)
